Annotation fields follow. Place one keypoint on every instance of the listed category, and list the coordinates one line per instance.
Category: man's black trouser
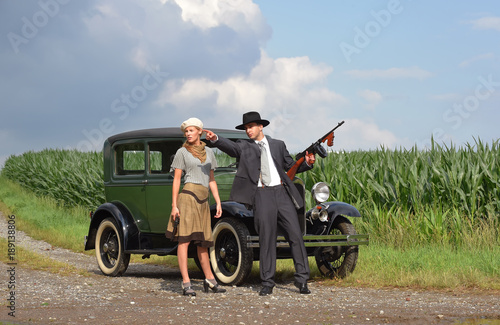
(273, 206)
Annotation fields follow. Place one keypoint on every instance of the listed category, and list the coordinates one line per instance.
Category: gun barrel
(320, 140)
(291, 172)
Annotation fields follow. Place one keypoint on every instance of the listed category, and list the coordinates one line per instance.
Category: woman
(190, 207)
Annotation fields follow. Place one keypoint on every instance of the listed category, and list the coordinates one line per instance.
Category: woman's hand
(215, 192)
(218, 213)
(175, 213)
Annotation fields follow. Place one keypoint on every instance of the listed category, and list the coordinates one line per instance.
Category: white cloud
(99, 51)
(366, 135)
(272, 84)
(205, 38)
(480, 57)
(354, 134)
(236, 92)
(486, 23)
(373, 98)
(212, 65)
(290, 92)
(392, 73)
(241, 15)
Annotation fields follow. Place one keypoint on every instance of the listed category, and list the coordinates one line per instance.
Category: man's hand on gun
(310, 158)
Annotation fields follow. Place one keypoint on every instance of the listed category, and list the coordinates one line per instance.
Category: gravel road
(151, 294)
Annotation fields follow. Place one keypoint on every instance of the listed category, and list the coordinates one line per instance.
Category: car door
(129, 180)
(159, 182)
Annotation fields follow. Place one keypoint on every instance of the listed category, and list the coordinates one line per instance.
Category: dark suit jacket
(248, 173)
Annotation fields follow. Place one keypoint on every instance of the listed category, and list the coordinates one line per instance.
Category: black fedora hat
(252, 117)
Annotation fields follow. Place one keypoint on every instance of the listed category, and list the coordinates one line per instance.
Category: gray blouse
(194, 170)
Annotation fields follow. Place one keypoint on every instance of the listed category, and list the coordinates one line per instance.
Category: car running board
(318, 240)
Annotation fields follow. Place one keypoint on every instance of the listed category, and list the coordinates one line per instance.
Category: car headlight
(320, 192)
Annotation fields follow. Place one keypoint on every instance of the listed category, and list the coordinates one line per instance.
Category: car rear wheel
(109, 249)
(338, 261)
(230, 258)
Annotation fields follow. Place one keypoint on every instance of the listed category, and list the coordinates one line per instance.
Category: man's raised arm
(226, 145)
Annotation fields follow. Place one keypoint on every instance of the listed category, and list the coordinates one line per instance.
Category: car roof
(171, 132)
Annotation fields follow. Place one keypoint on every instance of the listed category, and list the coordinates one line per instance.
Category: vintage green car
(138, 188)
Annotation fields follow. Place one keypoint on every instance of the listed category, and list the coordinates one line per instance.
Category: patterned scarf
(197, 151)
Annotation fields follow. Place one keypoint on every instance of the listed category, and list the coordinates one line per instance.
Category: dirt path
(151, 294)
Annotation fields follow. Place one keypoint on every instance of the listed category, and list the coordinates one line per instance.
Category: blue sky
(397, 72)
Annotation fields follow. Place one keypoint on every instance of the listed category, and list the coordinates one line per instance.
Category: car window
(161, 155)
(130, 159)
(223, 160)
(156, 162)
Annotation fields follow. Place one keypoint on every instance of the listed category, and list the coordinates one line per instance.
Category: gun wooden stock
(292, 171)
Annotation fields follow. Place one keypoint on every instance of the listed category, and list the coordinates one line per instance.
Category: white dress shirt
(275, 176)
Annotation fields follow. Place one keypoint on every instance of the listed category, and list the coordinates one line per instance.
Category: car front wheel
(338, 261)
(230, 257)
(109, 249)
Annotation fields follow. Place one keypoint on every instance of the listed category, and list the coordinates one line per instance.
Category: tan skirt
(194, 224)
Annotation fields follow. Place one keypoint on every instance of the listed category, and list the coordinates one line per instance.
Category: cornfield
(69, 176)
(439, 194)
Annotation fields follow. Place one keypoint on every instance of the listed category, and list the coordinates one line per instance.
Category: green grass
(427, 267)
(42, 218)
(28, 259)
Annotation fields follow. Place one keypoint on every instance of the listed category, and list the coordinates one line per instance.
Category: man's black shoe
(265, 291)
(303, 289)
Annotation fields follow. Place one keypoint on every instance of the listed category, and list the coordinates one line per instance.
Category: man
(266, 187)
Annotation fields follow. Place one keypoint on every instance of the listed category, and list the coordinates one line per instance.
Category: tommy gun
(314, 148)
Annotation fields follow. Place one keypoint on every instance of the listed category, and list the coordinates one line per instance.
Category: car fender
(341, 208)
(334, 209)
(124, 221)
(234, 209)
(338, 208)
